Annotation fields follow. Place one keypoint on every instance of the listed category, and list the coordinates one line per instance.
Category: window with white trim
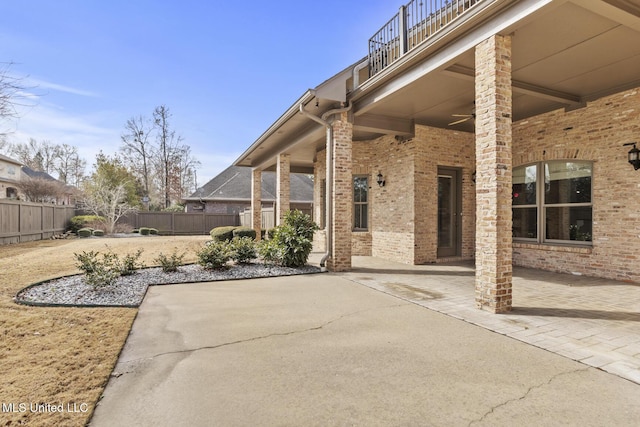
(360, 203)
(553, 202)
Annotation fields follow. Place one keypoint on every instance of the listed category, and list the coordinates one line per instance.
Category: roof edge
(291, 112)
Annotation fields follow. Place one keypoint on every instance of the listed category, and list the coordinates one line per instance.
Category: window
(360, 203)
(552, 202)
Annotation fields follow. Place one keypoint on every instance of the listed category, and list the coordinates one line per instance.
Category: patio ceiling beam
(466, 73)
(625, 12)
(384, 124)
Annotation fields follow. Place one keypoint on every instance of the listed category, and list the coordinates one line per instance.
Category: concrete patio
(590, 320)
(324, 350)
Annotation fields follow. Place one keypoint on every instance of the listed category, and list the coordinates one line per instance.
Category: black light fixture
(634, 155)
(380, 180)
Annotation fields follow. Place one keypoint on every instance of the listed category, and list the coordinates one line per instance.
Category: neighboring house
(12, 173)
(477, 129)
(67, 193)
(230, 192)
(9, 177)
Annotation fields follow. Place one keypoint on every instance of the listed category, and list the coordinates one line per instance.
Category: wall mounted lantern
(634, 155)
(380, 180)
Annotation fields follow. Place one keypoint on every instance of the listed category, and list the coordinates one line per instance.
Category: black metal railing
(416, 22)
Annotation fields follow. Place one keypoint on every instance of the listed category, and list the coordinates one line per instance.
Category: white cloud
(85, 131)
(42, 84)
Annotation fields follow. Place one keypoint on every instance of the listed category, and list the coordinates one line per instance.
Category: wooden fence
(268, 217)
(25, 221)
(180, 223)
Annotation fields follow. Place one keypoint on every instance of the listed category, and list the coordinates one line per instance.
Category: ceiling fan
(464, 117)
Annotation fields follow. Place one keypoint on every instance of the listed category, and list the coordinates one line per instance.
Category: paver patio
(590, 320)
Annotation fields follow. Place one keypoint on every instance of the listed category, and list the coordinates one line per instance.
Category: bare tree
(184, 172)
(76, 171)
(11, 89)
(41, 190)
(137, 149)
(104, 199)
(40, 156)
(168, 147)
(67, 162)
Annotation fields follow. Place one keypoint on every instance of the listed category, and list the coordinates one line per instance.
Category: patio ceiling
(564, 53)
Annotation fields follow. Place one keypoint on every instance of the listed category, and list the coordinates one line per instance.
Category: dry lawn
(63, 355)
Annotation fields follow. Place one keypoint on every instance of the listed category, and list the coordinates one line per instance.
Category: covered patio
(591, 320)
(500, 137)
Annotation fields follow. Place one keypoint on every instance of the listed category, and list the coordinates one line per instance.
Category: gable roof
(234, 183)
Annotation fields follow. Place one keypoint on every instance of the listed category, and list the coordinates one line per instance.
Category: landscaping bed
(128, 291)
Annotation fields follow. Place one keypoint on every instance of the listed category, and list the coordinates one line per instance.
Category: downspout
(356, 72)
(329, 174)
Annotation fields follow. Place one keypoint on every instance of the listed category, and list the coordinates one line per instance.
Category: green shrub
(130, 263)
(171, 263)
(85, 232)
(270, 251)
(301, 223)
(222, 234)
(82, 221)
(98, 272)
(153, 231)
(214, 255)
(290, 244)
(270, 233)
(144, 231)
(243, 250)
(135, 231)
(244, 232)
(98, 233)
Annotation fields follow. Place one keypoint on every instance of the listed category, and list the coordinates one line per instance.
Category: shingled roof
(37, 174)
(234, 183)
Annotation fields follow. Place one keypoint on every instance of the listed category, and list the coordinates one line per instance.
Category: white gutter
(329, 173)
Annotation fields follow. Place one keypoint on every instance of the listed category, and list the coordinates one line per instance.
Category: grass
(52, 356)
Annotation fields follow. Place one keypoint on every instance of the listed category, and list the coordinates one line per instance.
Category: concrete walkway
(594, 321)
(323, 350)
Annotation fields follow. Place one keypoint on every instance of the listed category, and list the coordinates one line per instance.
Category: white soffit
(334, 89)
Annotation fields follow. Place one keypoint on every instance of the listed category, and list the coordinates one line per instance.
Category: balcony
(416, 22)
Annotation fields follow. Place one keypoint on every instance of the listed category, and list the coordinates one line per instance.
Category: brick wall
(442, 147)
(594, 133)
(403, 227)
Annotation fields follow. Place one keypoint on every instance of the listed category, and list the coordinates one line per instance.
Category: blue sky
(226, 70)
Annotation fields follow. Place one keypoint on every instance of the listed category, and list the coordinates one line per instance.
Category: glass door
(449, 212)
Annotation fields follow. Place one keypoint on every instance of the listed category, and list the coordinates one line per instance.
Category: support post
(342, 194)
(493, 280)
(256, 202)
(283, 184)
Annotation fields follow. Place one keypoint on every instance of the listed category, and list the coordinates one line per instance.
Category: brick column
(493, 182)
(283, 186)
(342, 216)
(256, 202)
